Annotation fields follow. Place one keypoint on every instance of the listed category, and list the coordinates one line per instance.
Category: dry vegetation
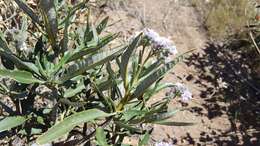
(224, 18)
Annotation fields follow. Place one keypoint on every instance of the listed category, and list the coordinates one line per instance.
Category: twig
(253, 40)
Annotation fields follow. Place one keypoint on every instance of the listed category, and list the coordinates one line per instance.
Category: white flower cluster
(184, 91)
(20, 39)
(163, 144)
(35, 144)
(159, 42)
(222, 84)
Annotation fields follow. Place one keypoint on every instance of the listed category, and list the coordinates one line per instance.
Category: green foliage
(86, 81)
(11, 122)
(69, 123)
(144, 140)
(101, 137)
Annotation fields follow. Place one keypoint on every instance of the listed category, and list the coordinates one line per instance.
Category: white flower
(23, 47)
(184, 91)
(159, 42)
(151, 34)
(173, 50)
(20, 39)
(163, 144)
(222, 84)
(35, 144)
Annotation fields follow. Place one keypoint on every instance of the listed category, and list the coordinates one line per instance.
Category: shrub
(225, 18)
(73, 80)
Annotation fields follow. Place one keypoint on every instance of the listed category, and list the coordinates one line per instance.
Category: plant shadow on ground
(241, 96)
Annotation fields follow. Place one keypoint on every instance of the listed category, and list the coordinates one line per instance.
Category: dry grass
(224, 18)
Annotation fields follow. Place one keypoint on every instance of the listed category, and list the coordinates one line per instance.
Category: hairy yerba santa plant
(73, 83)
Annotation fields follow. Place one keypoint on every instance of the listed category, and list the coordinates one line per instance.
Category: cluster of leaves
(90, 87)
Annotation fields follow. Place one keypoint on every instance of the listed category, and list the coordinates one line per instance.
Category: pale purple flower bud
(184, 91)
(173, 50)
(159, 42)
(151, 34)
(163, 144)
(35, 144)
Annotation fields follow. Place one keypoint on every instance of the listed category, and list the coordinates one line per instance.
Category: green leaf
(89, 32)
(72, 11)
(62, 62)
(156, 89)
(11, 122)
(128, 127)
(6, 52)
(155, 76)
(50, 20)
(69, 123)
(67, 22)
(129, 114)
(151, 68)
(90, 62)
(105, 85)
(92, 48)
(4, 45)
(28, 11)
(170, 123)
(102, 25)
(72, 92)
(22, 65)
(5, 107)
(159, 116)
(95, 34)
(39, 65)
(113, 76)
(126, 56)
(101, 137)
(144, 140)
(20, 76)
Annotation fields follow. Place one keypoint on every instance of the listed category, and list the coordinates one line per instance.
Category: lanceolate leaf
(126, 56)
(69, 123)
(89, 33)
(128, 127)
(73, 10)
(22, 65)
(72, 92)
(28, 11)
(63, 61)
(157, 88)
(50, 19)
(11, 122)
(95, 34)
(90, 62)
(4, 45)
(101, 137)
(92, 49)
(19, 76)
(170, 123)
(150, 69)
(159, 116)
(144, 140)
(151, 79)
(102, 25)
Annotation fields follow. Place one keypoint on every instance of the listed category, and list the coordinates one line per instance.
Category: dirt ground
(180, 21)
